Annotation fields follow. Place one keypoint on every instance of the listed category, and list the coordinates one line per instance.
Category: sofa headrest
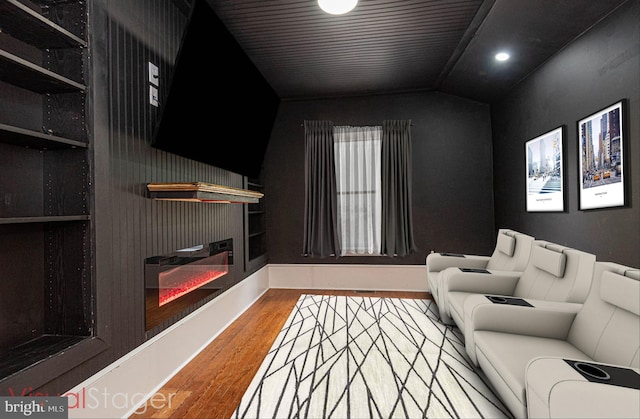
(555, 247)
(549, 260)
(622, 290)
(506, 244)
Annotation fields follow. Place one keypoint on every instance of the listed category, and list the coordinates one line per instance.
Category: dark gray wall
(452, 172)
(600, 68)
(129, 227)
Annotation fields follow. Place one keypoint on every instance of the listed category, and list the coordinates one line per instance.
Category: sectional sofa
(511, 254)
(566, 344)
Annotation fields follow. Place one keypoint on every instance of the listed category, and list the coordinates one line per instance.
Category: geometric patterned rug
(367, 357)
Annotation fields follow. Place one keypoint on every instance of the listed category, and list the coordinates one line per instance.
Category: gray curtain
(320, 208)
(397, 220)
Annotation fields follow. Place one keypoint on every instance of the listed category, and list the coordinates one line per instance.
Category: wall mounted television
(218, 109)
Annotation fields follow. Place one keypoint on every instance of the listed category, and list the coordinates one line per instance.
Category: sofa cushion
(550, 261)
(621, 291)
(506, 244)
(506, 355)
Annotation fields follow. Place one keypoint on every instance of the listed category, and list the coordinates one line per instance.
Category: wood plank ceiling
(385, 46)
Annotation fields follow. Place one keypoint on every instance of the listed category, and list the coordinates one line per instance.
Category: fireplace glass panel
(180, 281)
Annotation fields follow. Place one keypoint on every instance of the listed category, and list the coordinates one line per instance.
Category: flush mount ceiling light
(502, 56)
(337, 7)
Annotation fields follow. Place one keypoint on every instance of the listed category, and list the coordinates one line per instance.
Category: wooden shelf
(26, 24)
(65, 351)
(22, 356)
(34, 139)
(202, 192)
(25, 74)
(45, 219)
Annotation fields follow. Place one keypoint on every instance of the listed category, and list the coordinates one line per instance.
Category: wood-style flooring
(213, 383)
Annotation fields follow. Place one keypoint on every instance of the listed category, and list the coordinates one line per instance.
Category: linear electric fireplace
(182, 281)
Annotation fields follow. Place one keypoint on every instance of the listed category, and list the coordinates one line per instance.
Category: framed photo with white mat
(601, 144)
(545, 172)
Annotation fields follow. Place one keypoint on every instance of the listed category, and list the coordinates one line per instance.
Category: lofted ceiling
(389, 46)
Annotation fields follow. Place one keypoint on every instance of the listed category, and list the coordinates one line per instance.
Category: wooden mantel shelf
(202, 192)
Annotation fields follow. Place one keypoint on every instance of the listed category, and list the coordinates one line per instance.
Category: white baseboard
(122, 387)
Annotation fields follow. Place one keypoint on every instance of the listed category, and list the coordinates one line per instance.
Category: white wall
(349, 277)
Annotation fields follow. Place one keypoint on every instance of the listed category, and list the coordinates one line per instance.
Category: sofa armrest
(494, 282)
(437, 262)
(549, 319)
(556, 389)
(453, 279)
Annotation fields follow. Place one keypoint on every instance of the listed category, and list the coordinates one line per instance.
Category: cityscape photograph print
(600, 138)
(545, 191)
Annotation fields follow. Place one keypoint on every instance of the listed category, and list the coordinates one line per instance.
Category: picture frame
(601, 144)
(545, 172)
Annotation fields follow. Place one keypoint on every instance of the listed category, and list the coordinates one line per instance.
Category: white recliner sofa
(546, 362)
(553, 273)
(511, 253)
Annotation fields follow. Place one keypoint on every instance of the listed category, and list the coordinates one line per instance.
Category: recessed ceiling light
(337, 7)
(502, 56)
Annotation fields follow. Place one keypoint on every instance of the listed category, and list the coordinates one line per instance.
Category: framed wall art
(545, 172)
(601, 154)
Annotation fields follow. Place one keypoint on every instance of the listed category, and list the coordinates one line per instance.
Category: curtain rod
(366, 125)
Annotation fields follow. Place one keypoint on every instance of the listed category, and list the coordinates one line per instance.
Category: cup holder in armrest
(592, 371)
(495, 299)
(606, 374)
(512, 301)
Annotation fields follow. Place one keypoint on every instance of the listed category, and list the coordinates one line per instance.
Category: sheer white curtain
(358, 180)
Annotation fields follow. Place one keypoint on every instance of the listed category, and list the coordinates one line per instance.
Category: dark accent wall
(452, 172)
(598, 69)
(129, 227)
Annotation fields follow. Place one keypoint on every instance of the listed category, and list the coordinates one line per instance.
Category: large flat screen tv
(219, 109)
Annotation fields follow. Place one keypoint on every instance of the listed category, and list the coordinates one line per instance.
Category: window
(357, 189)
(357, 153)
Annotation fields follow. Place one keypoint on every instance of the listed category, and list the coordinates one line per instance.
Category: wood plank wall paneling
(142, 227)
(124, 36)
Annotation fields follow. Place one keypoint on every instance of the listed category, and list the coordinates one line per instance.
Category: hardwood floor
(213, 383)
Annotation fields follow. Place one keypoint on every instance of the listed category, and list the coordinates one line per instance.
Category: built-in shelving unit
(45, 221)
(255, 228)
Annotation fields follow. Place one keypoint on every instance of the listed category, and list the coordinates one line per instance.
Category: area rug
(367, 357)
